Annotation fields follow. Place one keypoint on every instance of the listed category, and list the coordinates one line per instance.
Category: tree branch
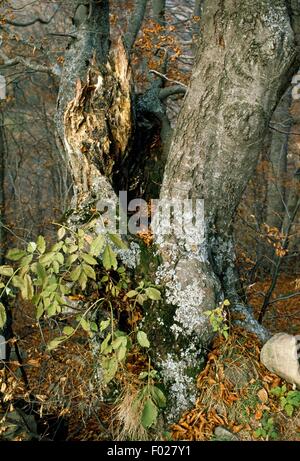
(159, 74)
(170, 91)
(28, 64)
(159, 7)
(135, 24)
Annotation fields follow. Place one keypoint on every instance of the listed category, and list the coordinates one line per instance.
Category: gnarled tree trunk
(246, 56)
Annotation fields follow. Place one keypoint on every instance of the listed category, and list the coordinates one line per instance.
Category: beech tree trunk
(245, 59)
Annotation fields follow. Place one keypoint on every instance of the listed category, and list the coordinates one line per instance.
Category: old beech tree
(246, 55)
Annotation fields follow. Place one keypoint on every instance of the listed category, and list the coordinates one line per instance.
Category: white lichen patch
(131, 257)
(181, 387)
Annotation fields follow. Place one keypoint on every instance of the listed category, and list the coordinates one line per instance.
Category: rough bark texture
(245, 58)
(94, 114)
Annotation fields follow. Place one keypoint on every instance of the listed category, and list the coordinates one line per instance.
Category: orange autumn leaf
(258, 415)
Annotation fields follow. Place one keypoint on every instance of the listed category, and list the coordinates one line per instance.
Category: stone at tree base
(279, 355)
(224, 434)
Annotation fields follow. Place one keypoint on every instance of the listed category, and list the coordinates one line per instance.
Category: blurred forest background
(34, 185)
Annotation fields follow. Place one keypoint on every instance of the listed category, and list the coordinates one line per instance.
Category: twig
(159, 74)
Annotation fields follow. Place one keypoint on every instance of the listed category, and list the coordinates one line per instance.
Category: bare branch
(28, 64)
(159, 74)
(283, 297)
(170, 91)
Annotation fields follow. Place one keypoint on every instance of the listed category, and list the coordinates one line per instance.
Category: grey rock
(224, 434)
(280, 356)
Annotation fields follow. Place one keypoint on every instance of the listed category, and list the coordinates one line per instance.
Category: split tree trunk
(245, 59)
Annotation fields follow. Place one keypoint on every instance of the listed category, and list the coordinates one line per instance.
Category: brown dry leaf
(263, 395)
(34, 362)
(232, 398)
(268, 379)
(237, 429)
(276, 382)
(258, 414)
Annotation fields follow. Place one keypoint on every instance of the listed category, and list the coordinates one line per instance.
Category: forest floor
(236, 391)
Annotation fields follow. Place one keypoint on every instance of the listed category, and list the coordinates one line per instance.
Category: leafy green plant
(47, 276)
(217, 318)
(151, 397)
(289, 400)
(267, 430)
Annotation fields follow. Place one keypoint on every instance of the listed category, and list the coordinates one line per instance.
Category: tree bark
(246, 56)
(94, 110)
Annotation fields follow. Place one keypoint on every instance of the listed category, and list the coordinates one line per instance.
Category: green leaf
(276, 391)
(89, 259)
(104, 343)
(89, 271)
(143, 339)
(31, 247)
(55, 343)
(289, 409)
(225, 334)
(75, 274)
(131, 294)
(15, 254)
(55, 266)
(153, 294)
(116, 239)
(104, 324)
(85, 325)
(110, 369)
(94, 326)
(61, 233)
(141, 299)
(83, 280)
(158, 397)
(3, 317)
(41, 244)
(18, 282)
(118, 342)
(71, 259)
(27, 289)
(96, 245)
(121, 353)
(143, 375)
(109, 258)
(47, 258)
(68, 331)
(52, 309)
(72, 248)
(41, 272)
(39, 311)
(26, 260)
(6, 270)
(149, 415)
(56, 247)
(59, 258)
